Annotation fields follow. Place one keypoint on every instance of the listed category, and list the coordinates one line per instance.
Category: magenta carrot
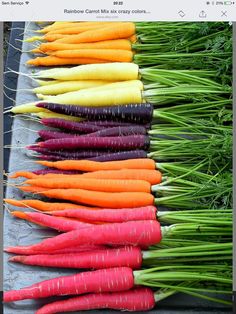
(135, 300)
(78, 249)
(110, 215)
(139, 233)
(129, 256)
(108, 279)
(63, 225)
(48, 135)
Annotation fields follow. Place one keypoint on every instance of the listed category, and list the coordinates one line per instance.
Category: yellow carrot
(107, 97)
(119, 71)
(60, 87)
(70, 86)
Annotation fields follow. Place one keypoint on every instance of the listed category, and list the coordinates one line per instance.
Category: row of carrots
(109, 221)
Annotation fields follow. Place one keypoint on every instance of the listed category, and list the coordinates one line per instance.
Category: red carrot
(63, 225)
(137, 299)
(78, 249)
(138, 233)
(110, 215)
(108, 279)
(129, 256)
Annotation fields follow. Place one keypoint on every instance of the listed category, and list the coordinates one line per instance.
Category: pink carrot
(141, 233)
(63, 225)
(83, 248)
(102, 280)
(137, 299)
(110, 215)
(129, 256)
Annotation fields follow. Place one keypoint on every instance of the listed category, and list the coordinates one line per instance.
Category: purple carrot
(133, 154)
(48, 134)
(137, 113)
(120, 131)
(76, 154)
(118, 142)
(70, 125)
(53, 157)
(112, 124)
(49, 170)
(100, 156)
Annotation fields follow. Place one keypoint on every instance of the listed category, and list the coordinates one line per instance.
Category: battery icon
(228, 2)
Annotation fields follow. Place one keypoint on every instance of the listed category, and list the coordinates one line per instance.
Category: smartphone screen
(117, 156)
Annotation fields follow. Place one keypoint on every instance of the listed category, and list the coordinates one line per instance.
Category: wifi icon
(26, 2)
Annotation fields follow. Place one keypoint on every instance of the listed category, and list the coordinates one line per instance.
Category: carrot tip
(16, 259)
(19, 214)
(9, 249)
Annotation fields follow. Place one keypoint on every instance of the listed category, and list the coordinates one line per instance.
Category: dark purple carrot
(112, 124)
(133, 154)
(136, 113)
(101, 156)
(118, 142)
(50, 170)
(120, 131)
(54, 157)
(70, 125)
(48, 134)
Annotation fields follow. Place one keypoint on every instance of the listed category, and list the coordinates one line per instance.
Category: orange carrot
(75, 29)
(45, 206)
(25, 174)
(133, 38)
(53, 37)
(36, 50)
(67, 25)
(51, 61)
(102, 199)
(120, 31)
(103, 185)
(87, 165)
(30, 189)
(123, 44)
(100, 54)
(151, 176)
